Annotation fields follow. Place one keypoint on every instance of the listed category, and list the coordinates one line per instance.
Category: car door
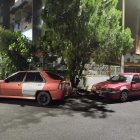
(32, 83)
(12, 86)
(136, 85)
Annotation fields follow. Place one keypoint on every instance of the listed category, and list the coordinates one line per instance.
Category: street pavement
(76, 118)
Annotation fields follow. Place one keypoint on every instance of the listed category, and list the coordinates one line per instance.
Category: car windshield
(120, 78)
(55, 76)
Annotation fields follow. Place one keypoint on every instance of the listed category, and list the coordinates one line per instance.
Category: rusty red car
(119, 87)
(41, 86)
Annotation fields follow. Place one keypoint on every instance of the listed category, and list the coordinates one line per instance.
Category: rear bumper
(60, 94)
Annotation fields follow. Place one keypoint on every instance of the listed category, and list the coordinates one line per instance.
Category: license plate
(99, 91)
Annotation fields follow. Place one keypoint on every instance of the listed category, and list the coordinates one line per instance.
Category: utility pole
(123, 26)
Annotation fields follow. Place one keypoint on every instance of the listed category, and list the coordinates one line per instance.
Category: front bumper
(110, 95)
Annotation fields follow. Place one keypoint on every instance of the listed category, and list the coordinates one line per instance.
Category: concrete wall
(86, 82)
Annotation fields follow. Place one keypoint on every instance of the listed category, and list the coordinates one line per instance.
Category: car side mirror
(133, 82)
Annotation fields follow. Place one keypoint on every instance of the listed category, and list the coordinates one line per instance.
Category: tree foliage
(15, 50)
(114, 39)
(77, 29)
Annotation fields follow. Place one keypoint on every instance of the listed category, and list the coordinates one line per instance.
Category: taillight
(64, 85)
(68, 84)
(61, 86)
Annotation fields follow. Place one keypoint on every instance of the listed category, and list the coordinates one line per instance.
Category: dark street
(76, 118)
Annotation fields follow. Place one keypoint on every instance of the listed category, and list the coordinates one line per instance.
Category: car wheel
(43, 98)
(123, 96)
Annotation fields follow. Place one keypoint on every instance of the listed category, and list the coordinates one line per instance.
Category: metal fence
(101, 70)
(132, 69)
(94, 69)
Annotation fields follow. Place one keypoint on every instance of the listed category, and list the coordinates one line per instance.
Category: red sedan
(120, 87)
(39, 85)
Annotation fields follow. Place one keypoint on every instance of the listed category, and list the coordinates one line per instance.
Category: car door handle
(19, 84)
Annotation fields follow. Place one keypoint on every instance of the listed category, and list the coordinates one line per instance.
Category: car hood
(107, 84)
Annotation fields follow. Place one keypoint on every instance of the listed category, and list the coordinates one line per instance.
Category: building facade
(5, 12)
(132, 20)
(22, 15)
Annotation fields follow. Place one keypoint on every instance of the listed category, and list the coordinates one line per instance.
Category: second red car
(120, 87)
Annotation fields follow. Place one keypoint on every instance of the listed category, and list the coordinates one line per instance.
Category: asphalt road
(81, 118)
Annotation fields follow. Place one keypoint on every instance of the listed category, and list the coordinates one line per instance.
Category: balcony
(18, 5)
(23, 24)
(18, 27)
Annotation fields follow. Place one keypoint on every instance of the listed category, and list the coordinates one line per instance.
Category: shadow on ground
(86, 105)
(21, 113)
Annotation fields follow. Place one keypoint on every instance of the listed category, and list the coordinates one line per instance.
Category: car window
(17, 77)
(33, 77)
(136, 78)
(55, 76)
(119, 78)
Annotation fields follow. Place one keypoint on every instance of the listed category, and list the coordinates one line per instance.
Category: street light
(123, 26)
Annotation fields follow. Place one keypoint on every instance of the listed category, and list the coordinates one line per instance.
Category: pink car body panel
(28, 90)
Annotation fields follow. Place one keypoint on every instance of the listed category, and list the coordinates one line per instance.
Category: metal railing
(101, 70)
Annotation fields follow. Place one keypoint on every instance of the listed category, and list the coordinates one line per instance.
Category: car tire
(43, 98)
(123, 96)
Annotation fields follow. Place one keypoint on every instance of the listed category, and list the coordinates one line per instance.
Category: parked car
(120, 87)
(39, 85)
